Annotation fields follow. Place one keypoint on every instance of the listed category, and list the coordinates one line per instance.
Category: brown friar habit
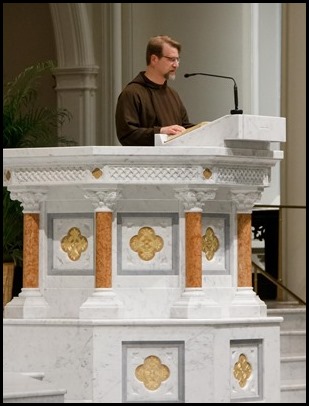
(144, 107)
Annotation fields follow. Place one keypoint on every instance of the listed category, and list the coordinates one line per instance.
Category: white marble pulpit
(137, 268)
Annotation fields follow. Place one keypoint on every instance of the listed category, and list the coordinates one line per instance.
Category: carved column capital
(245, 200)
(103, 199)
(30, 199)
(194, 199)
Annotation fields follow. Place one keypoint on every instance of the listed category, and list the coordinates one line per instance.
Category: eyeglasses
(172, 59)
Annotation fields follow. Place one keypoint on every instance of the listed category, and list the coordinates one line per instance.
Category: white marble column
(103, 304)
(245, 302)
(76, 90)
(193, 302)
(30, 303)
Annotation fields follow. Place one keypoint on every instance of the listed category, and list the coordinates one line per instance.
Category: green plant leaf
(27, 124)
(12, 229)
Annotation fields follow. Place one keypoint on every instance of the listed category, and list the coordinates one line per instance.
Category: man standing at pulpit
(147, 105)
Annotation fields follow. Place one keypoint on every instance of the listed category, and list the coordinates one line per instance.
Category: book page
(186, 131)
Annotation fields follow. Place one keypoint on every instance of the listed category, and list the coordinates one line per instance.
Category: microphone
(236, 110)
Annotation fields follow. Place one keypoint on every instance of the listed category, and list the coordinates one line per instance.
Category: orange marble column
(244, 249)
(193, 249)
(103, 277)
(31, 250)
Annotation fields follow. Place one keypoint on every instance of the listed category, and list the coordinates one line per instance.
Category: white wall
(211, 35)
(294, 164)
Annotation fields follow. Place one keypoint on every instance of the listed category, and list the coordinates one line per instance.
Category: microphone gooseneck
(236, 110)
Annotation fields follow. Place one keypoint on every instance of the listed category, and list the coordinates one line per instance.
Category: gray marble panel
(220, 263)
(58, 226)
(163, 376)
(165, 261)
(246, 370)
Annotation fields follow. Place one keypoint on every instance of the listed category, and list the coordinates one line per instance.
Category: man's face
(169, 62)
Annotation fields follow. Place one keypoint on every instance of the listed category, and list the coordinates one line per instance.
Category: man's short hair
(155, 46)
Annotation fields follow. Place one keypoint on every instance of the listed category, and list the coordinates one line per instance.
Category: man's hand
(172, 129)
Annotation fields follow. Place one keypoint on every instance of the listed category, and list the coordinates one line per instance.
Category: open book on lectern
(243, 127)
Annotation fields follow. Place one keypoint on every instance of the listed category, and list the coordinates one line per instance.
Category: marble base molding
(141, 361)
(103, 304)
(29, 304)
(194, 304)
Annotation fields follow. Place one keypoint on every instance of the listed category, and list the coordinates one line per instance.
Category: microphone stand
(236, 110)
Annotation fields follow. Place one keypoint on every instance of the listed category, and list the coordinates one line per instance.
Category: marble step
(294, 318)
(293, 342)
(293, 368)
(284, 304)
(293, 392)
(292, 349)
(24, 388)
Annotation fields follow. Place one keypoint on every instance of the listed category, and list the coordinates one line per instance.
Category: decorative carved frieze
(239, 175)
(154, 173)
(219, 174)
(50, 175)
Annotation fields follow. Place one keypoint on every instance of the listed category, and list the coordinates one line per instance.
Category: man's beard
(170, 75)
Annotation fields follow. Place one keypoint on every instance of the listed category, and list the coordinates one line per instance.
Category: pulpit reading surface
(242, 127)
